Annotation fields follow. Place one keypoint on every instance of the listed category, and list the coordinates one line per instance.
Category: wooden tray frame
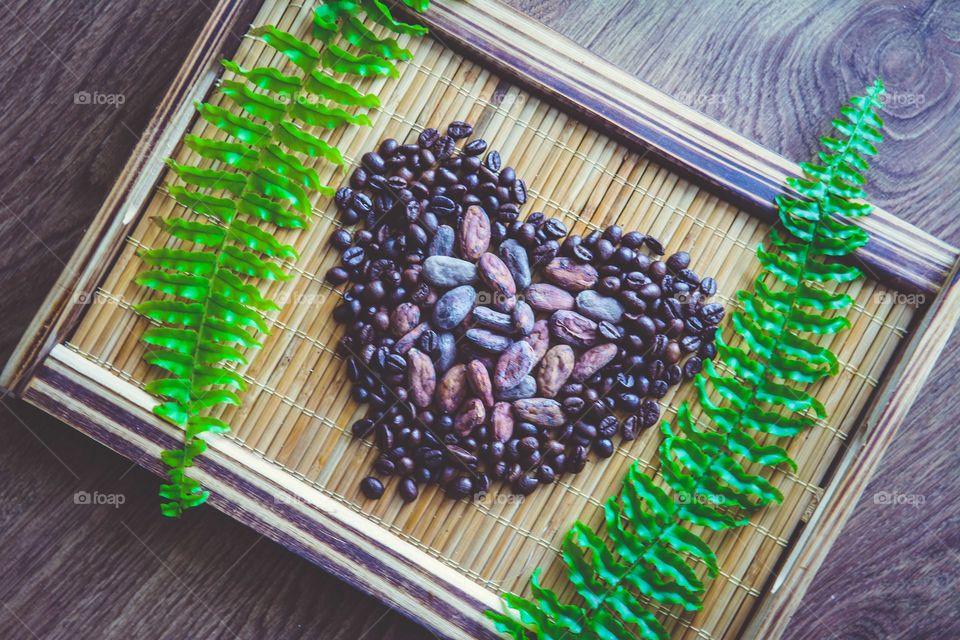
(347, 544)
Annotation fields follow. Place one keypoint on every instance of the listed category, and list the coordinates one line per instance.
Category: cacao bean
(555, 368)
(421, 378)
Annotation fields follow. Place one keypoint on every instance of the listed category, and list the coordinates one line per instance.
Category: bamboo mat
(298, 410)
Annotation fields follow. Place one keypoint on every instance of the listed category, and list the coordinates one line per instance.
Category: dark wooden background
(772, 70)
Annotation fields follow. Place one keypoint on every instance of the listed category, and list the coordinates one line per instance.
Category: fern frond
(708, 474)
(252, 183)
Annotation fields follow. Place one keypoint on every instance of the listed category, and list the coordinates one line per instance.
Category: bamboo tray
(595, 146)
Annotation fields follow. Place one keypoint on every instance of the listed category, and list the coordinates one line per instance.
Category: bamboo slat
(298, 410)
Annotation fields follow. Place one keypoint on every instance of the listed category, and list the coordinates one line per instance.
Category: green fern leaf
(716, 472)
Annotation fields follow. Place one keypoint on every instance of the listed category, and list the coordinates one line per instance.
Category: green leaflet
(256, 104)
(223, 209)
(210, 310)
(362, 38)
(239, 127)
(343, 61)
(299, 52)
(298, 140)
(231, 153)
(320, 84)
(318, 115)
(266, 78)
(379, 13)
(712, 470)
(209, 178)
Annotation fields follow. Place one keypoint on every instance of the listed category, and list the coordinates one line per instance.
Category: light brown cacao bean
(555, 368)
(421, 378)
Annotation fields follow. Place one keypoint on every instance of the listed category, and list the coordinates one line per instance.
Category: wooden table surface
(772, 70)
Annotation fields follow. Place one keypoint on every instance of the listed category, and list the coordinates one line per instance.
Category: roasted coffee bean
(708, 286)
(353, 256)
(444, 148)
(459, 130)
(337, 275)
(428, 137)
(371, 487)
(630, 428)
(654, 245)
(673, 374)
(712, 313)
(492, 161)
(603, 447)
(659, 388)
(678, 261)
(475, 147)
(648, 414)
(460, 487)
(692, 367)
(362, 427)
(518, 191)
(689, 344)
(577, 460)
(384, 466)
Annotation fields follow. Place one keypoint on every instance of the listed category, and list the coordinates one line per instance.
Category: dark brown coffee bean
(518, 191)
(428, 137)
(678, 261)
(475, 147)
(337, 276)
(708, 286)
(673, 375)
(459, 130)
(603, 447)
(689, 344)
(373, 162)
(461, 487)
(692, 367)
(492, 162)
(371, 487)
(654, 245)
(712, 313)
(648, 414)
(444, 147)
(408, 490)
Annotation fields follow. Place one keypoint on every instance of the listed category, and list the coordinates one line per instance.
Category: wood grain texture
(725, 52)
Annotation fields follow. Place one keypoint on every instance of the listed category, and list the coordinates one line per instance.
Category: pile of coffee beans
(495, 348)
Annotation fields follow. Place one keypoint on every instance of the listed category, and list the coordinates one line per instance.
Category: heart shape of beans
(491, 348)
